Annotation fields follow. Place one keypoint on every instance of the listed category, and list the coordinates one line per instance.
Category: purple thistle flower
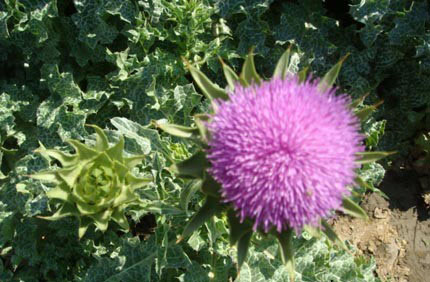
(284, 152)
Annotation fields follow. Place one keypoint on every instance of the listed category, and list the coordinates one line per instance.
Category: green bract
(95, 184)
(195, 167)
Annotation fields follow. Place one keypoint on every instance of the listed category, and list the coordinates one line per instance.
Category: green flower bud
(95, 184)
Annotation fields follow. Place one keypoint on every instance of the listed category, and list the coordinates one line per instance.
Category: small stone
(381, 213)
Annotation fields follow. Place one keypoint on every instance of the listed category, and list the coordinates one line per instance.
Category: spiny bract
(95, 184)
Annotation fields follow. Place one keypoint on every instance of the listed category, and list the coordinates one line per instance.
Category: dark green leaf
(237, 229)
(192, 167)
(211, 187)
(351, 208)
(209, 209)
(188, 192)
(242, 248)
(285, 239)
(331, 235)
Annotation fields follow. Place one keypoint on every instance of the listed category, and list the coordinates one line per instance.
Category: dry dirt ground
(398, 232)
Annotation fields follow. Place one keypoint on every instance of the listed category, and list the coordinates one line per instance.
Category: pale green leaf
(330, 77)
(282, 65)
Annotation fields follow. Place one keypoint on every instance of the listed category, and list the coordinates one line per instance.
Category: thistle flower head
(284, 152)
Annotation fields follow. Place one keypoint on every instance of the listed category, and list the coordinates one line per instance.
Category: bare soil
(398, 232)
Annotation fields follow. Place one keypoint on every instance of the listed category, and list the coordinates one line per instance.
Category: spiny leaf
(85, 153)
(69, 175)
(303, 74)
(242, 248)
(360, 182)
(285, 239)
(370, 157)
(200, 120)
(115, 152)
(209, 209)
(177, 130)
(330, 77)
(101, 219)
(102, 142)
(249, 73)
(358, 101)
(65, 159)
(137, 182)
(119, 217)
(351, 208)
(209, 89)
(64, 211)
(281, 69)
(331, 235)
(134, 161)
(84, 223)
(192, 167)
(211, 187)
(237, 229)
(59, 192)
(230, 75)
(365, 112)
(48, 176)
(188, 192)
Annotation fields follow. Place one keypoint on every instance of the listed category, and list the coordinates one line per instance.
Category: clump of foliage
(117, 64)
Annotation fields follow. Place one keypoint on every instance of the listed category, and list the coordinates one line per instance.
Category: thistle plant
(277, 156)
(95, 184)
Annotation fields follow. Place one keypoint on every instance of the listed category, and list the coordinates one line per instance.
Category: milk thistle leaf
(281, 69)
(209, 209)
(285, 239)
(249, 75)
(210, 89)
(192, 167)
(230, 75)
(237, 228)
(211, 187)
(302, 75)
(359, 101)
(369, 157)
(177, 130)
(331, 235)
(242, 247)
(365, 112)
(59, 192)
(351, 208)
(188, 192)
(201, 120)
(330, 77)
